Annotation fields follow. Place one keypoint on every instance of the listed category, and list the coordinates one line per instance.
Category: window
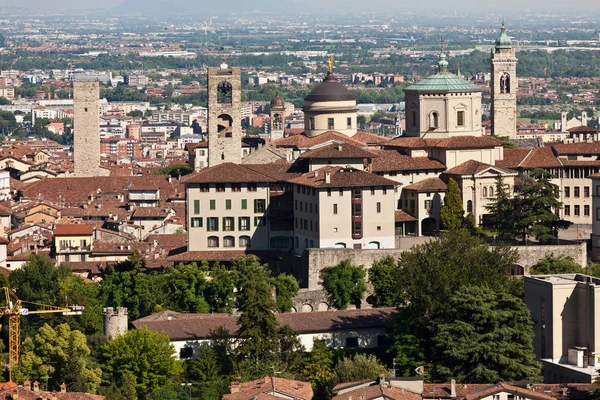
(470, 206)
(301, 206)
(244, 223)
(329, 192)
(212, 224)
(357, 210)
(335, 208)
(433, 123)
(485, 191)
(427, 205)
(224, 92)
(414, 118)
(213, 204)
(597, 213)
(228, 204)
(280, 242)
(204, 187)
(576, 210)
(244, 204)
(352, 342)
(186, 352)
(213, 241)
(196, 206)
(311, 123)
(330, 123)
(384, 191)
(236, 187)
(349, 123)
(252, 187)
(220, 187)
(460, 118)
(356, 193)
(228, 224)
(567, 191)
(228, 241)
(586, 211)
(576, 191)
(357, 228)
(586, 191)
(372, 191)
(259, 205)
(378, 207)
(196, 222)
(244, 241)
(567, 210)
(341, 191)
(259, 221)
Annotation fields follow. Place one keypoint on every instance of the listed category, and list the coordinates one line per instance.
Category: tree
(4, 101)
(185, 286)
(502, 211)
(204, 372)
(286, 287)
(148, 356)
(221, 289)
(382, 277)
(136, 113)
(319, 369)
(358, 368)
(63, 356)
(537, 207)
(452, 212)
(175, 170)
(344, 284)
(484, 336)
(556, 265)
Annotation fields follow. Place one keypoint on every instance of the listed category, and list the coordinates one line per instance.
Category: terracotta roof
(542, 157)
(305, 142)
(341, 177)
(592, 148)
(403, 216)
(257, 389)
(377, 391)
(582, 129)
(571, 391)
(502, 387)
(407, 142)
(338, 150)
(226, 173)
(428, 185)
(466, 142)
(150, 212)
(370, 138)
(27, 394)
(222, 255)
(192, 326)
(392, 160)
(73, 229)
(512, 158)
(443, 390)
(472, 167)
(279, 171)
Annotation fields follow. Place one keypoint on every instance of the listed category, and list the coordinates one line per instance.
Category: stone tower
(277, 117)
(115, 321)
(86, 148)
(224, 115)
(504, 87)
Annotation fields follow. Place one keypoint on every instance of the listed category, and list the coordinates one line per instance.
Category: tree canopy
(344, 284)
(452, 212)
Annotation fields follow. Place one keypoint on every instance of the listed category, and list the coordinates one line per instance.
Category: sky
(315, 5)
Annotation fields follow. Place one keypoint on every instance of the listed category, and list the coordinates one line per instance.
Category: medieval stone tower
(115, 321)
(224, 115)
(277, 117)
(504, 87)
(86, 146)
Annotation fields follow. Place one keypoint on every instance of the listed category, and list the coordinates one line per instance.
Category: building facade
(504, 86)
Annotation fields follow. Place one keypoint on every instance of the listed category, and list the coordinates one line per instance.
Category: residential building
(269, 387)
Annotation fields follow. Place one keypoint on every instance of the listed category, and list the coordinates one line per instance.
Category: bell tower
(277, 114)
(224, 115)
(504, 87)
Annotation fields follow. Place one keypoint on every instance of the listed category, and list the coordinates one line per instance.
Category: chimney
(235, 385)
(15, 394)
(63, 388)
(339, 147)
(382, 380)
(36, 387)
(316, 174)
(327, 177)
(27, 384)
(453, 388)
(170, 179)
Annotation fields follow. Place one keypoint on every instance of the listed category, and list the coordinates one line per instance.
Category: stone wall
(115, 321)
(86, 147)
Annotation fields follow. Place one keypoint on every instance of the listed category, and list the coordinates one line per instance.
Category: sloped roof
(261, 389)
(338, 150)
(370, 138)
(73, 229)
(443, 82)
(590, 148)
(582, 129)
(472, 167)
(428, 185)
(226, 173)
(392, 160)
(341, 177)
(304, 142)
(403, 216)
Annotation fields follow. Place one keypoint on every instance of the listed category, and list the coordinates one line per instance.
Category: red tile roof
(338, 150)
(377, 391)
(472, 167)
(582, 129)
(370, 138)
(226, 173)
(458, 142)
(504, 387)
(428, 185)
(513, 157)
(305, 142)
(592, 148)
(268, 385)
(403, 216)
(392, 160)
(73, 229)
(341, 177)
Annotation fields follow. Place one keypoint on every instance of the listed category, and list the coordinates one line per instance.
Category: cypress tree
(452, 212)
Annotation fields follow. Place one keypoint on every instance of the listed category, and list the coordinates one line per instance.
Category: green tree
(221, 289)
(344, 284)
(185, 286)
(286, 287)
(484, 336)
(359, 367)
(204, 372)
(382, 276)
(136, 113)
(452, 212)
(319, 369)
(4, 101)
(556, 265)
(502, 211)
(63, 356)
(537, 207)
(175, 170)
(148, 356)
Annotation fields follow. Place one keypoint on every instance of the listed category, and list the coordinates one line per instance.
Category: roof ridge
(526, 157)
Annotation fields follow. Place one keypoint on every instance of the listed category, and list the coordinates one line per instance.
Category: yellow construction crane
(14, 308)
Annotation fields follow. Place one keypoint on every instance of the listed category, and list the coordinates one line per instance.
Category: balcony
(74, 249)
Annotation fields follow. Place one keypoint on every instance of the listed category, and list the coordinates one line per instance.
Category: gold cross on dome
(441, 45)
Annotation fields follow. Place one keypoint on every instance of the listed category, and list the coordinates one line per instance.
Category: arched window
(485, 191)
(228, 241)
(244, 241)
(277, 121)
(213, 241)
(224, 92)
(340, 245)
(224, 125)
(469, 206)
(505, 83)
(491, 191)
(434, 120)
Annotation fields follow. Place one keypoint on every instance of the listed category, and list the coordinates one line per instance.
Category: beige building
(8, 92)
(504, 86)
(565, 312)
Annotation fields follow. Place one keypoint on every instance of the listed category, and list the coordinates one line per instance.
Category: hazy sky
(311, 5)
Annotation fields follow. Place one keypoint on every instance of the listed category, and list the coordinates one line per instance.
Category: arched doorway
(429, 226)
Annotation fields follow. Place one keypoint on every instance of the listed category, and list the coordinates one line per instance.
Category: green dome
(503, 41)
(443, 81)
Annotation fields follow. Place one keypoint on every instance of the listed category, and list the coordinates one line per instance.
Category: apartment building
(7, 92)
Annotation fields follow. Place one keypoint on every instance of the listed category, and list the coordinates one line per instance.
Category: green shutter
(244, 204)
(228, 204)
(213, 204)
(255, 205)
(196, 206)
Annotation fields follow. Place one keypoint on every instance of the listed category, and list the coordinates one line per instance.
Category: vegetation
(452, 212)
(556, 265)
(344, 284)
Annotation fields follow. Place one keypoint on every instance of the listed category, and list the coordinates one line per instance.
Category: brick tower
(277, 117)
(504, 87)
(224, 115)
(86, 146)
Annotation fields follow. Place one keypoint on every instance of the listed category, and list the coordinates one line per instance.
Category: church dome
(277, 101)
(330, 90)
(503, 41)
(443, 81)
